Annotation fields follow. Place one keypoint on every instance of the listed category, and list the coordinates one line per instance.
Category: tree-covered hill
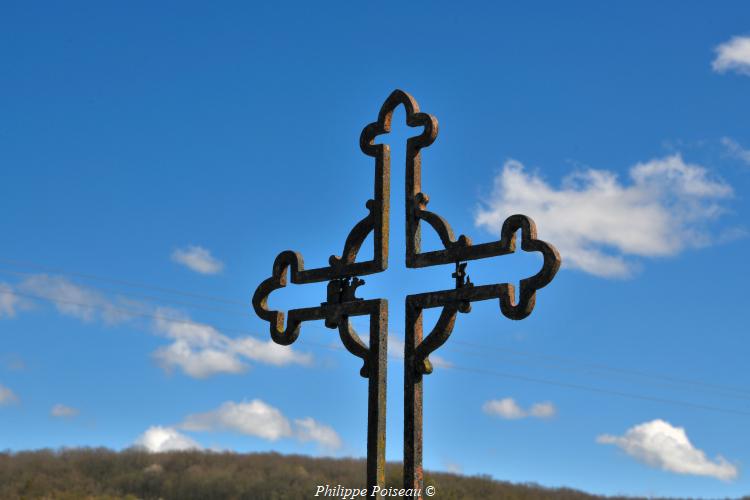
(193, 475)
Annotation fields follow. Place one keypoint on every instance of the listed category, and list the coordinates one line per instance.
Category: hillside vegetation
(193, 475)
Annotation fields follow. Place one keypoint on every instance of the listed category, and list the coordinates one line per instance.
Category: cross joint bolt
(340, 291)
(462, 281)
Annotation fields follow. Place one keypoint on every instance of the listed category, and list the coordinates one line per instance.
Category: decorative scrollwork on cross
(343, 276)
(460, 298)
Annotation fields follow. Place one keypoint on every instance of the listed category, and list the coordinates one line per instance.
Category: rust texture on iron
(343, 275)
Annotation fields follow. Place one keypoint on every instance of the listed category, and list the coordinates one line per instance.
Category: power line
(127, 311)
(705, 387)
(584, 364)
(140, 314)
(597, 390)
(118, 281)
(736, 393)
(454, 367)
(143, 297)
(131, 312)
(159, 317)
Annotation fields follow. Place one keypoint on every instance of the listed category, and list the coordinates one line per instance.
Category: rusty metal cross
(342, 274)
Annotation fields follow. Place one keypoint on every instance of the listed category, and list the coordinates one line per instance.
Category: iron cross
(343, 272)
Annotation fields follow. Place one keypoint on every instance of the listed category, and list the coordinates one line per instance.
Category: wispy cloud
(735, 150)
(733, 55)
(158, 439)
(198, 259)
(10, 302)
(197, 349)
(596, 221)
(80, 302)
(63, 411)
(12, 362)
(7, 396)
(259, 419)
(659, 444)
(508, 409)
(453, 467)
(7, 301)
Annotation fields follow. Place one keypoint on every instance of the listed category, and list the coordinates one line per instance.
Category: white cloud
(198, 259)
(659, 444)
(255, 418)
(733, 55)
(268, 352)
(7, 396)
(438, 361)
(157, 439)
(453, 467)
(62, 411)
(307, 429)
(77, 301)
(200, 350)
(508, 409)
(735, 150)
(543, 410)
(8, 301)
(197, 363)
(595, 221)
(505, 408)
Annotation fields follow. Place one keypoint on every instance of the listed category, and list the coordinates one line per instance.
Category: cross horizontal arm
(463, 249)
(442, 298)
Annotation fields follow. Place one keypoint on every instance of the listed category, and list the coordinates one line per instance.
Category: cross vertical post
(413, 474)
(376, 396)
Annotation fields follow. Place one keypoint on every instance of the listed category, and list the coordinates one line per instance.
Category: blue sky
(155, 159)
